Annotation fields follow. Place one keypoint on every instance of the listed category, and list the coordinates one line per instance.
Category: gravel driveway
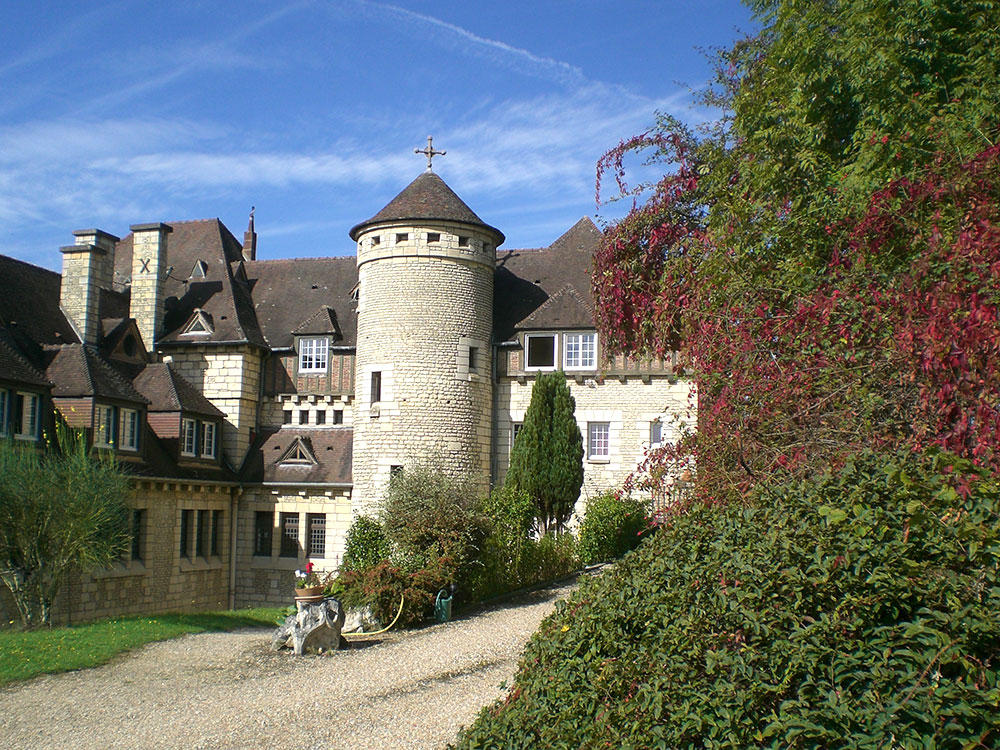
(228, 690)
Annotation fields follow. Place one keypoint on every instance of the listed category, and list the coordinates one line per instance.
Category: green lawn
(24, 655)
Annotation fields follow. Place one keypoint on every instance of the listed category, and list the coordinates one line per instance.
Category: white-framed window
(655, 433)
(208, 439)
(313, 354)
(4, 412)
(598, 440)
(128, 430)
(580, 351)
(540, 351)
(29, 407)
(189, 437)
(104, 426)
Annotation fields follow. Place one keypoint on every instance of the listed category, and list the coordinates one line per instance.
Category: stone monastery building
(262, 404)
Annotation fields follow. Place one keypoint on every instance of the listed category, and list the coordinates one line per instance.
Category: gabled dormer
(299, 453)
(89, 393)
(24, 394)
(122, 342)
(186, 422)
(199, 324)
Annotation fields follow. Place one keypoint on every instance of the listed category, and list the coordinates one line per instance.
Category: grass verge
(24, 655)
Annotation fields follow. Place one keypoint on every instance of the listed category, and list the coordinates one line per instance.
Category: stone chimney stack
(250, 240)
(149, 272)
(87, 268)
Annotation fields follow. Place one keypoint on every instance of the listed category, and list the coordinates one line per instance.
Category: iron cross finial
(429, 152)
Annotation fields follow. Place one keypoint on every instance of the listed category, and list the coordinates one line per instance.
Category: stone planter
(309, 594)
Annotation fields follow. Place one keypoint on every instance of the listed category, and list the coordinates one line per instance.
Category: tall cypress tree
(547, 458)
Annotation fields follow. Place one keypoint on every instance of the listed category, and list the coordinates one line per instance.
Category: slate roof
(29, 303)
(331, 446)
(526, 280)
(169, 391)
(428, 198)
(77, 370)
(323, 320)
(15, 367)
(219, 292)
(287, 293)
(567, 308)
(158, 459)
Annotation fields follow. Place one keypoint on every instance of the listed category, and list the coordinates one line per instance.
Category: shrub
(611, 527)
(382, 585)
(548, 558)
(510, 558)
(61, 510)
(427, 512)
(365, 545)
(860, 605)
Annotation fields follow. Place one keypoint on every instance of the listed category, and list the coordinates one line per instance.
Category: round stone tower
(424, 371)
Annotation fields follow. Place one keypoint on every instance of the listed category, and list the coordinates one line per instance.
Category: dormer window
(580, 351)
(541, 351)
(313, 355)
(189, 437)
(298, 453)
(104, 426)
(199, 325)
(208, 439)
(199, 439)
(27, 415)
(128, 430)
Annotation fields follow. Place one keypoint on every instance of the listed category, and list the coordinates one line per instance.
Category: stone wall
(229, 377)
(628, 405)
(268, 579)
(273, 408)
(161, 580)
(422, 308)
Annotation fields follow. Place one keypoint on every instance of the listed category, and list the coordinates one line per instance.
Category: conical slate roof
(427, 198)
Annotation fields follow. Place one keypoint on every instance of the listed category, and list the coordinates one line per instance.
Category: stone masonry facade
(275, 399)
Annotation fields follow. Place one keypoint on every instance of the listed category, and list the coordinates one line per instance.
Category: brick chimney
(250, 239)
(87, 268)
(149, 272)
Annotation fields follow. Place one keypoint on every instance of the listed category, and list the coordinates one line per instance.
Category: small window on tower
(402, 237)
(463, 241)
(376, 241)
(473, 358)
(376, 393)
(433, 237)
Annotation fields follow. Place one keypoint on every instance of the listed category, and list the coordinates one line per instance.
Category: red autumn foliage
(894, 342)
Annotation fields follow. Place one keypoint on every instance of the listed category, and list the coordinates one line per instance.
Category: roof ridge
(91, 352)
(297, 260)
(26, 263)
(567, 289)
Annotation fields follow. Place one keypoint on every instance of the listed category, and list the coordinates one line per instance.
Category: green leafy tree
(546, 461)
(59, 510)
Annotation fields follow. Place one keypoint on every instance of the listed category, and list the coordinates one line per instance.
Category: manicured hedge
(857, 610)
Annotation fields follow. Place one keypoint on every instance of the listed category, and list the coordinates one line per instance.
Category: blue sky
(120, 113)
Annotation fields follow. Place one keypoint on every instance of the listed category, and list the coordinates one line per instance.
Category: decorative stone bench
(315, 627)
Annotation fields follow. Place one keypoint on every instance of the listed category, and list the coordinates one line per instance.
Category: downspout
(494, 428)
(236, 495)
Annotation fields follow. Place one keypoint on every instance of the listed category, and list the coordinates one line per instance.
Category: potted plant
(308, 586)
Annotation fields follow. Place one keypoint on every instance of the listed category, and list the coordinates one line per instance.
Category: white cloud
(511, 57)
